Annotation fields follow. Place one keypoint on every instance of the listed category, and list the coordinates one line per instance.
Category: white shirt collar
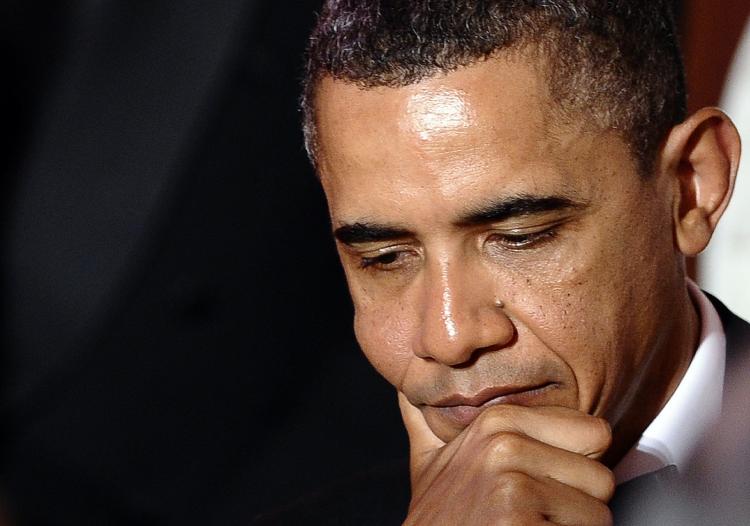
(693, 408)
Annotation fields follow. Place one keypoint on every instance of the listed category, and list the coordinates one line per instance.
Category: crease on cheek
(583, 316)
(552, 313)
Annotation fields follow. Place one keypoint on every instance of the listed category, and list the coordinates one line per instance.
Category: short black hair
(616, 61)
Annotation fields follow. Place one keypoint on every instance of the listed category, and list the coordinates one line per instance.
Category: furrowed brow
(517, 206)
(356, 233)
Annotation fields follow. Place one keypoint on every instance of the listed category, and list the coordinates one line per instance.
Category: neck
(659, 378)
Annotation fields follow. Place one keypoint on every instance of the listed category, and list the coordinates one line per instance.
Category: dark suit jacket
(381, 497)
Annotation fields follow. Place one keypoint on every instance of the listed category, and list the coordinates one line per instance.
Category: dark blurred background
(177, 343)
(177, 334)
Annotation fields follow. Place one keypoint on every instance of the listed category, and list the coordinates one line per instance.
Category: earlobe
(702, 155)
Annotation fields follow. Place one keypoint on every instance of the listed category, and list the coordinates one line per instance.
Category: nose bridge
(447, 288)
(458, 312)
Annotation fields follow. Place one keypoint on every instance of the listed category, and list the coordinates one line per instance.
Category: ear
(702, 155)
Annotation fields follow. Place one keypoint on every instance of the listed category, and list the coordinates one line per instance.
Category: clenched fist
(511, 465)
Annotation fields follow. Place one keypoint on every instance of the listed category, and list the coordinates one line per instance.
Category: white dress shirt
(693, 408)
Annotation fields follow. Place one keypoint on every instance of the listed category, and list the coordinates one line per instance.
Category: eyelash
(527, 241)
(382, 259)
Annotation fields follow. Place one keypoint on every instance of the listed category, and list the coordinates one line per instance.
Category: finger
(560, 427)
(518, 494)
(567, 506)
(511, 452)
(421, 438)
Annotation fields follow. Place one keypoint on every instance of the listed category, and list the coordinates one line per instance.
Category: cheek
(571, 294)
(572, 305)
(384, 335)
(574, 319)
(595, 304)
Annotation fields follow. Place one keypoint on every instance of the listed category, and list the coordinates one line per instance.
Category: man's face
(493, 253)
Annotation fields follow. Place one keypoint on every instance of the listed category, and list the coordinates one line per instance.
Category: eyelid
(386, 260)
(517, 225)
(536, 237)
(381, 250)
(367, 258)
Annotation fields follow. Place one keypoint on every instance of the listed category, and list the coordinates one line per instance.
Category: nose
(460, 315)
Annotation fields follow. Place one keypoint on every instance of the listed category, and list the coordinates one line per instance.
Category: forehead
(485, 128)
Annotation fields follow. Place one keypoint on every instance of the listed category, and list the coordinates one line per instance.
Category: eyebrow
(367, 233)
(517, 206)
(493, 212)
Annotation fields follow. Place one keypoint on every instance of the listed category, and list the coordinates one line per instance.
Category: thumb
(421, 438)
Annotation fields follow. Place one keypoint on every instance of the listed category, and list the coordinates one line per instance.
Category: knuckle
(494, 419)
(504, 447)
(511, 490)
(482, 425)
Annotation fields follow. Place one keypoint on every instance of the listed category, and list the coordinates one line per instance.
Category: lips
(462, 410)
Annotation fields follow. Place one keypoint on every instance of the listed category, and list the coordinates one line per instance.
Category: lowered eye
(388, 260)
(525, 240)
(383, 259)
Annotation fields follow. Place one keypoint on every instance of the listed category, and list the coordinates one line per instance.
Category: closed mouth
(462, 409)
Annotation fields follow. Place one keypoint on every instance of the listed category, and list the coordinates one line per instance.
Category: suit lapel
(737, 332)
(632, 503)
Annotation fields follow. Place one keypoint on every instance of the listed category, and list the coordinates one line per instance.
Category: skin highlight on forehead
(432, 112)
(449, 122)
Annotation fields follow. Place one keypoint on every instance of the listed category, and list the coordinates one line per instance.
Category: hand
(512, 465)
